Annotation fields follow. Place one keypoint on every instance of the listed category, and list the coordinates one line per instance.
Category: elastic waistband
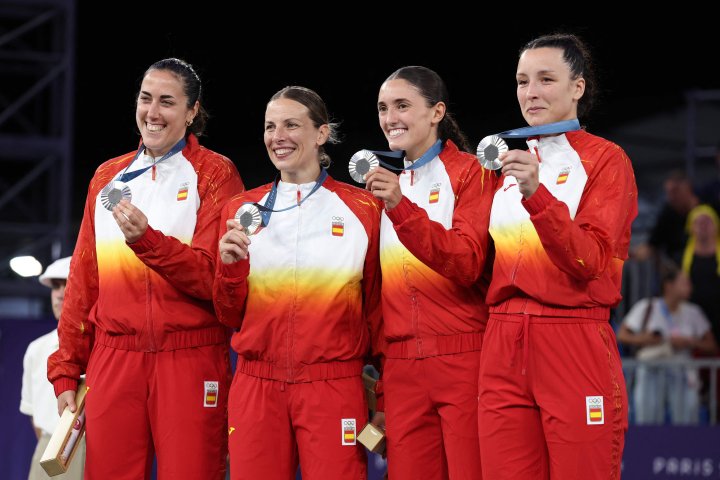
(433, 346)
(529, 306)
(169, 341)
(301, 373)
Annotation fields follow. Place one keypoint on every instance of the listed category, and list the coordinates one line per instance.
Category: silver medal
(488, 151)
(113, 192)
(361, 163)
(249, 217)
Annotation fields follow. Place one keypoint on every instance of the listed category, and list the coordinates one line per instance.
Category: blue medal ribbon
(126, 177)
(432, 152)
(547, 129)
(267, 209)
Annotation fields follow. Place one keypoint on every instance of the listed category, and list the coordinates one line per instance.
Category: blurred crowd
(681, 317)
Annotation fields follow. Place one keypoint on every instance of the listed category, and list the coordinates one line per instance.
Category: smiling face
(546, 91)
(406, 119)
(293, 141)
(162, 113)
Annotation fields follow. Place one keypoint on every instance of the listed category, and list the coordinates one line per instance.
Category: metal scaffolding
(37, 80)
(695, 149)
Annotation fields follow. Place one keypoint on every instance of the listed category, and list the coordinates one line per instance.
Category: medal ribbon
(267, 209)
(432, 152)
(126, 177)
(547, 129)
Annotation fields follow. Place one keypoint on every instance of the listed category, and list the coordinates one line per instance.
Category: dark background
(644, 67)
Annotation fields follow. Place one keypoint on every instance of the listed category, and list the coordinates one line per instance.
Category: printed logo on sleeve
(211, 394)
(182, 192)
(338, 226)
(594, 410)
(349, 429)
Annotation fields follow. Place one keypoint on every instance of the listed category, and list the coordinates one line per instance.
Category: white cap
(59, 269)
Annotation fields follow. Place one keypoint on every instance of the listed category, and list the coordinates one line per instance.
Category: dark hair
(192, 87)
(577, 56)
(318, 114)
(432, 87)
(669, 272)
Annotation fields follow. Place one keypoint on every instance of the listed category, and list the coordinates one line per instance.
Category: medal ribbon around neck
(252, 215)
(365, 160)
(490, 147)
(117, 190)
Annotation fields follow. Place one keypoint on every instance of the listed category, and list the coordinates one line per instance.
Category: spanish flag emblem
(211, 394)
(562, 176)
(349, 430)
(434, 195)
(594, 409)
(338, 229)
(182, 193)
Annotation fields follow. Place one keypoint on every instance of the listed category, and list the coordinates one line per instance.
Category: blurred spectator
(667, 327)
(701, 262)
(37, 398)
(668, 237)
(710, 192)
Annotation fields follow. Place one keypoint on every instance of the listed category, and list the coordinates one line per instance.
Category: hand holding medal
(132, 221)
(234, 245)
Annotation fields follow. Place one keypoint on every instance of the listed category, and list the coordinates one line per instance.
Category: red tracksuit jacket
(433, 247)
(155, 294)
(307, 301)
(565, 246)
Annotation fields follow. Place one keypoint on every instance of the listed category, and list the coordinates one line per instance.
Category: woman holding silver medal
(433, 247)
(299, 278)
(552, 394)
(138, 314)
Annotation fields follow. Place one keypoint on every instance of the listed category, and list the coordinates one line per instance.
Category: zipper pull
(298, 197)
(153, 172)
(412, 177)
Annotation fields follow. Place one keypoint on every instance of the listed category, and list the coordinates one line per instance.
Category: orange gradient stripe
(314, 289)
(396, 261)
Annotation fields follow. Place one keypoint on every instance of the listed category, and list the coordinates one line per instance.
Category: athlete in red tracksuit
(433, 246)
(303, 293)
(552, 394)
(138, 315)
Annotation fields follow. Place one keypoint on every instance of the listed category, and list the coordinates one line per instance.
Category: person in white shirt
(667, 327)
(37, 398)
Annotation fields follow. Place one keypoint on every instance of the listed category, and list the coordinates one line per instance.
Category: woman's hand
(66, 399)
(131, 220)
(234, 244)
(524, 166)
(385, 185)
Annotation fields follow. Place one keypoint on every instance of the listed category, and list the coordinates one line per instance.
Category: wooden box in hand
(66, 437)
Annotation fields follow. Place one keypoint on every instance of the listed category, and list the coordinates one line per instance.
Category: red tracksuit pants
(552, 399)
(431, 417)
(273, 425)
(139, 404)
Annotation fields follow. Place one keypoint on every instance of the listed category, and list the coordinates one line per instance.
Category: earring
(189, 122)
